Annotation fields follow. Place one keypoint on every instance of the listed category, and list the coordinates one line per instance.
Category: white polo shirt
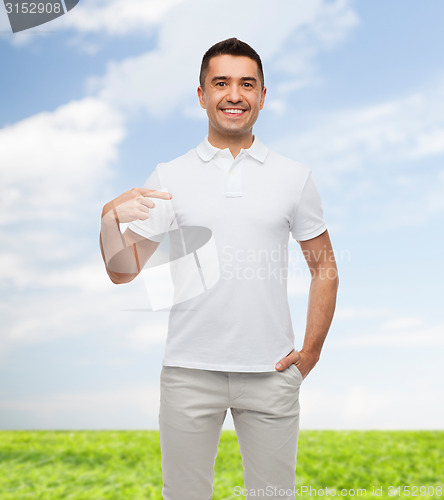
(251, 203)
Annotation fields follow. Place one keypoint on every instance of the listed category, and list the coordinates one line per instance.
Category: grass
(99, 465)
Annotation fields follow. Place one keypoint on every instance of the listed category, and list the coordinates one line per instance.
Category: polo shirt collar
(257, 150)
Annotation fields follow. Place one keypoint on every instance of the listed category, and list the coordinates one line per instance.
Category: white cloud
(403, 323)
(54, 167)
(22, 270)
(348, 313)
(117, 17)
(406, 129)
(160, 81)
(371, 158)
(367, 406)
(400, 333)
(52, 163)
(128, 408)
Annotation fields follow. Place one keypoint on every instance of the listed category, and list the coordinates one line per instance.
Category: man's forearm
(120, 261)
(321, 307)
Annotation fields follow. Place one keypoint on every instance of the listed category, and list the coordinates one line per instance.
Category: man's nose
(234, 94)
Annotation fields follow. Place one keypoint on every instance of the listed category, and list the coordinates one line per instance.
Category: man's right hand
(134, 204)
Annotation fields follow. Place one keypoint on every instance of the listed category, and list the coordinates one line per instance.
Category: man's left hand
(305, 361)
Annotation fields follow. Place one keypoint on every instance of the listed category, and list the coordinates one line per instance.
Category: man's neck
(233, 143)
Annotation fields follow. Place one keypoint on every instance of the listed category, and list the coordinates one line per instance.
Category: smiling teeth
(234, 111)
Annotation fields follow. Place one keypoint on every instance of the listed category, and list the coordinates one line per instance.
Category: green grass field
(96, 465)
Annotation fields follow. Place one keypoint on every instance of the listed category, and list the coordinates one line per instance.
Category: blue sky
(92, 101)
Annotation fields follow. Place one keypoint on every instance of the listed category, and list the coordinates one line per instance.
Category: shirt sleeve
(161, 216)
(308, 220)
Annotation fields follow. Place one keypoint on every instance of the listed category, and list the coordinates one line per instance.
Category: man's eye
(220, 83)
(249, 84)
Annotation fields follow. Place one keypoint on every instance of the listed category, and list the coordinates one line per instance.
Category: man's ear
(264, 91)
(201, 95)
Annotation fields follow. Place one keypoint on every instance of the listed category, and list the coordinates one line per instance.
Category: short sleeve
(161, 216)
(308, 220)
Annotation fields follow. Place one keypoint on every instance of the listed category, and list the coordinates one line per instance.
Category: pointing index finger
(153, 193)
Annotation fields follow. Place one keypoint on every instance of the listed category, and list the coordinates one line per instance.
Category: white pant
(265, 410)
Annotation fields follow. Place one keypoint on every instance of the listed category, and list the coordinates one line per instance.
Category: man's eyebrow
(243, 78)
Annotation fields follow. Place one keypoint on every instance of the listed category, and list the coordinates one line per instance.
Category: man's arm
(126, 254)
(130, 253)
(320, 258)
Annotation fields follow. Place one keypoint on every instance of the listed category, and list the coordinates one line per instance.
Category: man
(233, 345)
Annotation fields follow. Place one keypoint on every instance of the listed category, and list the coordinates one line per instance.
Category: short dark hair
(232, 47)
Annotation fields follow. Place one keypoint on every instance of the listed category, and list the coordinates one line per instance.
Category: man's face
(232, 95)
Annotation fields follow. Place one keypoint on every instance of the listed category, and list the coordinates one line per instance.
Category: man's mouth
(233, 111)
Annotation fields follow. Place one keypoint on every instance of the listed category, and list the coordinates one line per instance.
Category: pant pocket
(296, 369)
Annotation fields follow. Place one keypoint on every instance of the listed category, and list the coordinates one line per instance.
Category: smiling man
(231, 347)
(232, 92)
